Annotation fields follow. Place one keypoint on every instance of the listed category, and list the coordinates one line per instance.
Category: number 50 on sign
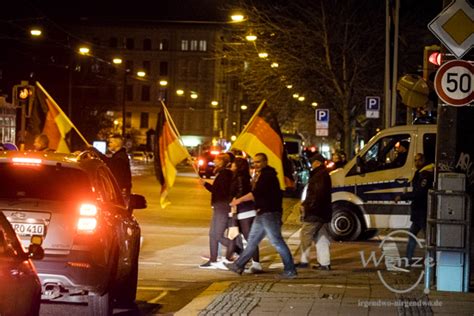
(454, 82)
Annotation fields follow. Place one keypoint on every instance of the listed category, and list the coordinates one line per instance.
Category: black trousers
(219, 223)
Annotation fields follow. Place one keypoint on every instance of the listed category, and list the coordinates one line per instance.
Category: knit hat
(317, 157)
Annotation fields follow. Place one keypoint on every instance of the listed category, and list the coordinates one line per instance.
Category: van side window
(429, 147)
(388, 153)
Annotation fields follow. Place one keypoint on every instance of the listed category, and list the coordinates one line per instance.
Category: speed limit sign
(454, 82)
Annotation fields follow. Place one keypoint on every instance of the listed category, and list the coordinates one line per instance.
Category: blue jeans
(267, 224)
(414, 229)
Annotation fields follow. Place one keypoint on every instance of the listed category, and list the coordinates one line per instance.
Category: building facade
(184, 67)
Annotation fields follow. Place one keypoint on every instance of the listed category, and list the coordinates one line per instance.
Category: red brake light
(26, 161)
(215, 152)
(88, 210)
(87, 222)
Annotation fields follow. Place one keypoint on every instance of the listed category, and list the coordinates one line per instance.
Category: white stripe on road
(157, 288)
(158, 298)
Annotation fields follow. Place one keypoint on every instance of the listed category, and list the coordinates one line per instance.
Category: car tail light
(26, 161)
(215, 152)
(200, 162)
(87, 222)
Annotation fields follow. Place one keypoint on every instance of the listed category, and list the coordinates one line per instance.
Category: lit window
(194, 45)
(203, 45)
(184, 44)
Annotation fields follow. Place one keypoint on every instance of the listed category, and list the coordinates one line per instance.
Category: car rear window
(43, 182)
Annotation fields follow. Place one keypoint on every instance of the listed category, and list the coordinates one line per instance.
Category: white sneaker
(220, 264)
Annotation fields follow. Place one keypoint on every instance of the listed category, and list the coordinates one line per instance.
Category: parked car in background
(301, 170)
(91, 238)
(205, 163)
(20, 287)
(142, 156)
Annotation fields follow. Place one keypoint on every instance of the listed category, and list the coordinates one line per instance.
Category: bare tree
(329, 51)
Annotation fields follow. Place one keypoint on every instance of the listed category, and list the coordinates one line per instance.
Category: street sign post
(453, 27)
(322, 122)
(454, 82)
(372, 107)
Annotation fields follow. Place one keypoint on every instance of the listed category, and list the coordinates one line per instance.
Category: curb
(201, 301)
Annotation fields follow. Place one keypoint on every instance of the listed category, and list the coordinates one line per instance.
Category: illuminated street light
(214, 103)
(194, 95)
(117, 61)
(296, 95)
(35, 31)
(243, 107)
(289, 86)
(251, 37)
(274, 65)
(179, 92)
(301, 99)
(237, 17)
(233, 138)
(141, 74)
(263, 55)
(84, 50)
(314, 104)
(163, 83)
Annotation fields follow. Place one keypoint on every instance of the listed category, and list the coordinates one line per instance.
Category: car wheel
(345, 224)
(100, 305)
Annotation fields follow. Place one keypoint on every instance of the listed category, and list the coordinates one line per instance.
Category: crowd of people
(255, 205)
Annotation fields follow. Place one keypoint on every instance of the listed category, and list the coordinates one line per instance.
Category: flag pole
(169, 119)
(254, 115)
(62, 112)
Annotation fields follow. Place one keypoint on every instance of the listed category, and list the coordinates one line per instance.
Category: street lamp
(35, 32)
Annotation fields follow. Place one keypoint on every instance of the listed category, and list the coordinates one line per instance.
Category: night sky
(192, 10)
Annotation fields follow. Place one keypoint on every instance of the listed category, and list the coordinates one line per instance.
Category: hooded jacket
(267, 193)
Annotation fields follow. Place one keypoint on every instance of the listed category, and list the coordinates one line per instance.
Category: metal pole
(387, 85)
(395, 63)
(124, 107)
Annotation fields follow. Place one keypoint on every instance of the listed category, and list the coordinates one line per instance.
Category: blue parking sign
(372, 107)
(322, 118)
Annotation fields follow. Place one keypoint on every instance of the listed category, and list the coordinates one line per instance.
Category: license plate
(26, 229)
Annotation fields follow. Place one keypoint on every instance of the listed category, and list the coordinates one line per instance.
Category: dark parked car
(301, 171)
(20, 287)
(206, 163)
(91, 238)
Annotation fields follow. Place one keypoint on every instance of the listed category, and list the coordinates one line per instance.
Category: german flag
(169, 152)
(49, 119)
(262, 135)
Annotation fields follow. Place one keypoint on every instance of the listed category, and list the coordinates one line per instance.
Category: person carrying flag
(268, 202)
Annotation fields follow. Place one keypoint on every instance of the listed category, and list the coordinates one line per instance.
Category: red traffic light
(24, 93)
(436, 58)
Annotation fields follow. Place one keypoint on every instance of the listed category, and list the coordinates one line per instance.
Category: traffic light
(23, 96)
(432, 59)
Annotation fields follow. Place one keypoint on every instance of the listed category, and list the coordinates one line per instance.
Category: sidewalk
(349, 289)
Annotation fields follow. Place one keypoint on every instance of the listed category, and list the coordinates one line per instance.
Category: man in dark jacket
(220, 199)
(422, 181)
(268, 202)
(316, 210)
(119, 164)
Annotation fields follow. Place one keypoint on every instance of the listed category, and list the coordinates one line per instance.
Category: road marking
(150, 263)
(157, 288)
(158, 298)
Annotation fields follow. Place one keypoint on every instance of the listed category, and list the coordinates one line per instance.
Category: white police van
(364, 190)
